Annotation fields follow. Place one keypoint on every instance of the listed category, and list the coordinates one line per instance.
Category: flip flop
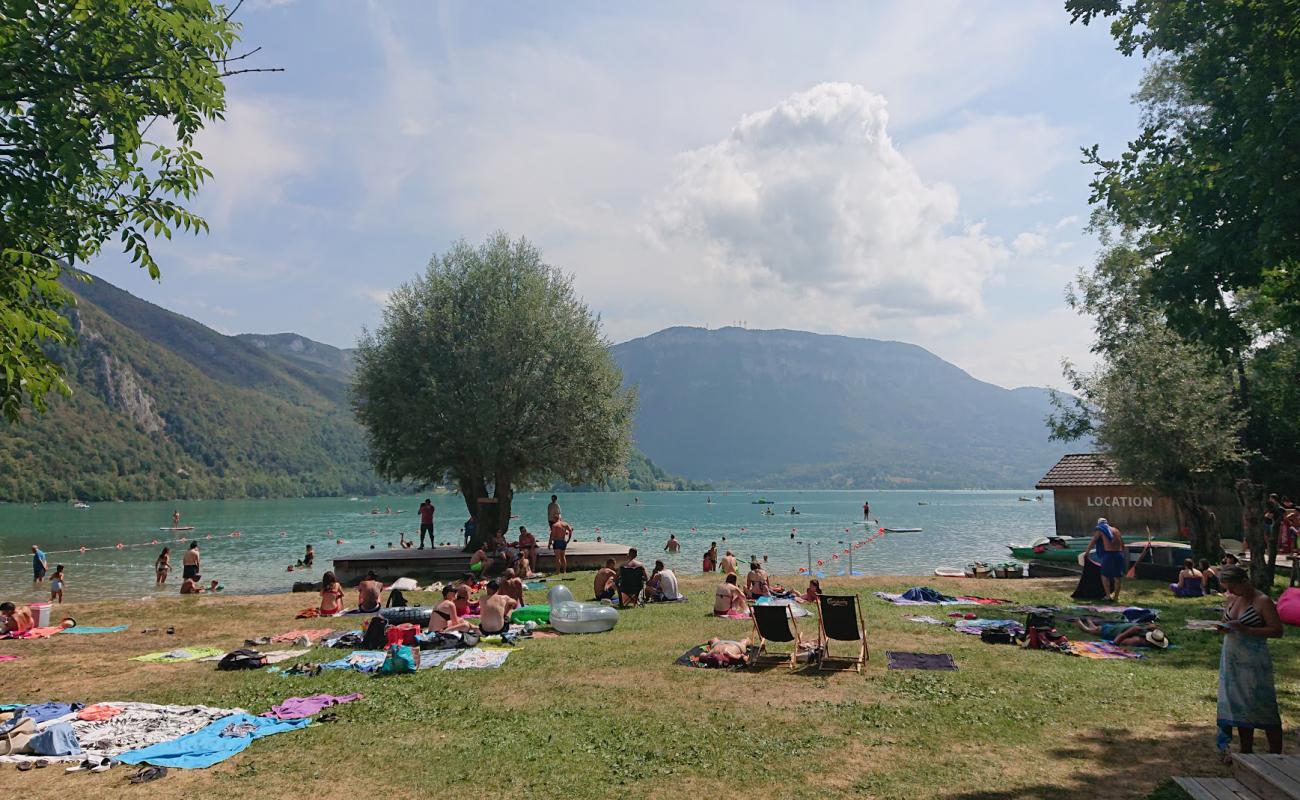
(42, 764)
(328, 716)
(25, 766)
(147, 774)
(85, 766)
(104, 765)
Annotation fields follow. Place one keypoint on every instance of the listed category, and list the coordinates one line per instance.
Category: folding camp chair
(774, 623)
(841, 620)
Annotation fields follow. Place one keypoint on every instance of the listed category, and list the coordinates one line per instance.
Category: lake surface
(958, 527)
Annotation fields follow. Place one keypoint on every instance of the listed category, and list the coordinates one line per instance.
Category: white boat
(80, 505)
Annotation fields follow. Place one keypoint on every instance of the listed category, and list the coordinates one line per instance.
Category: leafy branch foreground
(595, 716)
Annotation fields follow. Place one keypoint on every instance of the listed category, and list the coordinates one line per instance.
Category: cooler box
(40, 614)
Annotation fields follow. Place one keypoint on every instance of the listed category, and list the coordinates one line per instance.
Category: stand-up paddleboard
(186, 528)
(902, 530)
(949, 572)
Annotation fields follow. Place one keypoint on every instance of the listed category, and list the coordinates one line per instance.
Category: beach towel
(8, 658)
(1101, 609)
(928, 620)
(478, 658)
(796, 610)
(272, 657)
(1202, 625)
(929, 661)
(182, 654)
(434, 658)
(208, 746)
(37, 633)
(94, 629)
(98, 712)
(309, 635)
(302, 707)
(361, 661)
(691, 658)
(137, 725)
(983, 601)
(899, 600)
(734, 614)
(45, 712)
(1099, 650)
(976, 626)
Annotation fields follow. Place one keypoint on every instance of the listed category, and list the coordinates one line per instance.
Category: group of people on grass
(730, 600)
(631, 585)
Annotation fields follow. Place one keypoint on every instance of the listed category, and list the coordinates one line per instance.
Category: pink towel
(300, 707)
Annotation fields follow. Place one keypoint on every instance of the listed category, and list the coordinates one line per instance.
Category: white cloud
(1002, 157)
(1028, 243)
(812, 199)
(379, 297)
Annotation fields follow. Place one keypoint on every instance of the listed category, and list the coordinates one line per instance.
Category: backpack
(242, 659)
(376, 635)
(1040, 619)
(400, 660)
(396, 599)
(996, 636)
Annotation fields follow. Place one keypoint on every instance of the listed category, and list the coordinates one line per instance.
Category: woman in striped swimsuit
(1247, 695)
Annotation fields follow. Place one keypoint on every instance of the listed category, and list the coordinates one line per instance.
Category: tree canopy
(489, 371)
(1205, 199)
(100, 101)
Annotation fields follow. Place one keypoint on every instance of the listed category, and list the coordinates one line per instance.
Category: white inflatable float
(568, 616)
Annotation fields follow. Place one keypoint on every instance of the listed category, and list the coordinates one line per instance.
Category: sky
(892, 170)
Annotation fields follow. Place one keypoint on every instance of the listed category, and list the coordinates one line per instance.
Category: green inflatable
(540, 614)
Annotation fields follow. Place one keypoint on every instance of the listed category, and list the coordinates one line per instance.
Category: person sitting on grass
(331, 595)
(513, 587)
(1191, 582)
(191, 586)
(527, 549)
(813, 592)
(756, 582)
(1125, 634)
(603, 584)
(728, 599)
(497, 608)
(662, 587)
(1211, 575)
(14, 619)
(369, 592)
(464, 607)
(480, 562)
(445, 617)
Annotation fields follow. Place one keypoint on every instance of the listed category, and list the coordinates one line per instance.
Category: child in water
(56, 585)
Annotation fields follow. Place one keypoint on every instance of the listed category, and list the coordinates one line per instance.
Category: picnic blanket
(929, 661)
(213, 744)
(94, 629)
(136, 725)
(1100, 650)
(180, 655)
(478, 658)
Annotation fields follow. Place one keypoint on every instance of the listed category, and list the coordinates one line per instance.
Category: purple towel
(300, 707)
(920, 661)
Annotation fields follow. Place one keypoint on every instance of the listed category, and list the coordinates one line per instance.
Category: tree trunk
(471, 489)
(1251, 497)
(504, 492)
(1202, 530)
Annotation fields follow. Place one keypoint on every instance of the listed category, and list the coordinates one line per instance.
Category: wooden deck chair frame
(824, 641)
(763, 658)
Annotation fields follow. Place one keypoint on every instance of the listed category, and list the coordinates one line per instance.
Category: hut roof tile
(1082, 469)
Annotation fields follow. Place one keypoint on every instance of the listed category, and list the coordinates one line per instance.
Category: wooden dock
(451, 562)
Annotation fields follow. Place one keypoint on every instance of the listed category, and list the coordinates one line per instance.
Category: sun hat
(1156, 638)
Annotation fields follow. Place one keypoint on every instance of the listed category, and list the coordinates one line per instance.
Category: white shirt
(668, 585)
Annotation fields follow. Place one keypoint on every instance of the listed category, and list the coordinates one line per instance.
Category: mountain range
(779, 408)
(165, 407)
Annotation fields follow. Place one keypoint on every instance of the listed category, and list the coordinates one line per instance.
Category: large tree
(100, 101)
(1208, 193)
(490, 372)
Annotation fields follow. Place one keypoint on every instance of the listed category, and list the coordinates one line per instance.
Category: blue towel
(93, 629)
(44, 712)
(207, 746)
(370, 660)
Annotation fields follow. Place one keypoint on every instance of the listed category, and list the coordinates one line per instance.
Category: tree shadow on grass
(1115, 763)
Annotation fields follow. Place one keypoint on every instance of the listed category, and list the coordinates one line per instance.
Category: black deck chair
(775, 623)
(630, 582)
(841, 620)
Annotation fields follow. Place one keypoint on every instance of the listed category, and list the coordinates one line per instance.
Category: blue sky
(894, 170)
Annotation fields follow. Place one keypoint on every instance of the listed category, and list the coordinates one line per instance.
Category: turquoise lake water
(957, 527)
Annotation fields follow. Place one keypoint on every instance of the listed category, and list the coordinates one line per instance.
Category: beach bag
(15, 735)
(1040, 619)
(242, 659)
(376, 635)
(1288, 606)
(996, 636)
(396, 599)
(399, 661)
(402, 634)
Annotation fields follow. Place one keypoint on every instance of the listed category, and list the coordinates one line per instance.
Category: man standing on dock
(426, 522)
(553, 511)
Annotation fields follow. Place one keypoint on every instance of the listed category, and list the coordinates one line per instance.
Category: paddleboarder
(176, 518)
(866, 511)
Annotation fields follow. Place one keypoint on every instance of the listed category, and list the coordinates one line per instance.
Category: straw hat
(1156, 638)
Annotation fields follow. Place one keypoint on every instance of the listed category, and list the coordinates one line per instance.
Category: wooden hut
(1084, 487)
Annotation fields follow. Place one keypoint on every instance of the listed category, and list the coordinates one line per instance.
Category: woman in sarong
(1247, 696)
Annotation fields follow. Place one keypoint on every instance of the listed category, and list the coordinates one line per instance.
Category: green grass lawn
(610, 714)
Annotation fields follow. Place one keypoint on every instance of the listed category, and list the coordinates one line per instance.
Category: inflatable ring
(415, 614)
